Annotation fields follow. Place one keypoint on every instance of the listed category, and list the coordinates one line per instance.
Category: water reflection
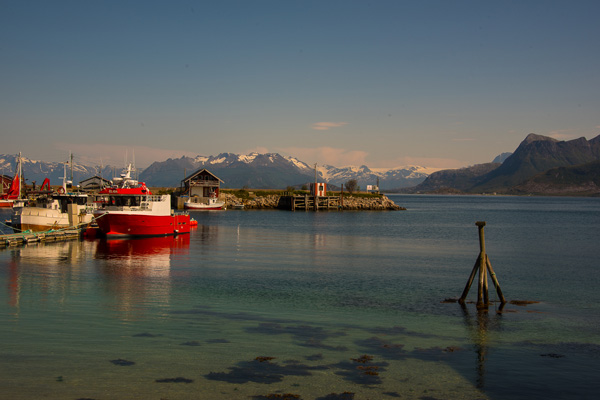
(205, 233)
(140, 256)
(134, 271)
(137, 271)
(479, 328)
(50, 271)
(54, 255)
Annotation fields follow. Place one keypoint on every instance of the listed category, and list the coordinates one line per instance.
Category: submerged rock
(122, 362)
(179, 379)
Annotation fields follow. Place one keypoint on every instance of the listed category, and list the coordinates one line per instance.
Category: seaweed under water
(123, 363)
(362, 370)
(262, 370)
(179, 379)
(277, 396)
(218, 341)
(146, 334)
(336, 396)
(191, 343)
(396, 351)
(314, 357)
(308, 336)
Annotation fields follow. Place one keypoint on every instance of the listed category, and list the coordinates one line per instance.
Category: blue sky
(441, 84)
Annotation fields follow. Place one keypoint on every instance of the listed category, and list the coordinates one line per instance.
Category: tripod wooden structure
(482, 265)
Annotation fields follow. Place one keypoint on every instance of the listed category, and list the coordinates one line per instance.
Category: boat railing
(154, 198)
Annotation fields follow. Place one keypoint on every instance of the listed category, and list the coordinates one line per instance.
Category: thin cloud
(563, 134)
(343, 157)
(325, 126)
(463, 139)
(327, 155)
(431, 163)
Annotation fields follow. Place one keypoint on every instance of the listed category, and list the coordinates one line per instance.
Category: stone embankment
(374, 203)
(350, 202)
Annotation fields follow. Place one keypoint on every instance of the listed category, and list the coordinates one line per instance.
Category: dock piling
(483, 265)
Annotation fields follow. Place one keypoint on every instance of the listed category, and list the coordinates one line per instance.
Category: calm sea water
(322, 305)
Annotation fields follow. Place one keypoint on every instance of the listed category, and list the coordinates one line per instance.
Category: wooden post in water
(315, 189)
(482, 265)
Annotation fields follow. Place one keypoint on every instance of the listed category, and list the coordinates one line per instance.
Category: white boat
(53, 211)
(57, 211)
(199, 203)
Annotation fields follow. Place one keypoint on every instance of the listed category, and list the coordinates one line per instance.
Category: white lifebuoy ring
(61, 190)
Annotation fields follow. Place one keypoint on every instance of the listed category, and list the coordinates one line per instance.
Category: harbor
(262, 303)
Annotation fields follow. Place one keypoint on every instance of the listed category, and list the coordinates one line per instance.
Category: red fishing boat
(128, 208)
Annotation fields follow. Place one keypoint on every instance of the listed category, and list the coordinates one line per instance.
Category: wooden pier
(18, 239)
(310, 203)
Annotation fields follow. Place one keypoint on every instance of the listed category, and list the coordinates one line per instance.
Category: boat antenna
(134, 169)
(64, 177)
(71, 154)
(101, 180)
(20, 171)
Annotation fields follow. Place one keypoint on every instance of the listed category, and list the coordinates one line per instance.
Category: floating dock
(18, 239)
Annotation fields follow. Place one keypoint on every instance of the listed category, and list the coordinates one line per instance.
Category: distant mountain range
(273, 171)
(540, 165)
(257, 171)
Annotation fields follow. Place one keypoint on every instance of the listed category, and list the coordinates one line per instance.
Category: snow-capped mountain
(254, 170)
(274, 171)
(387, 178)
(37, 171)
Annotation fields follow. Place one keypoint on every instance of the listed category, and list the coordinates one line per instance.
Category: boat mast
(64, 177)
(20, 172)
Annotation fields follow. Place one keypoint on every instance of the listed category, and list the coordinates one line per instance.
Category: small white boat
(198, 203)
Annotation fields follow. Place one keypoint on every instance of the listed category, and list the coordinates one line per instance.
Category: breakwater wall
(282, 202)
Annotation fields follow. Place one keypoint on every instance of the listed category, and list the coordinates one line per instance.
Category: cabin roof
(200, 171)
(93, 178)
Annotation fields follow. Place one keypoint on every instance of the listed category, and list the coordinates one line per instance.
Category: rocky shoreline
(382, 203)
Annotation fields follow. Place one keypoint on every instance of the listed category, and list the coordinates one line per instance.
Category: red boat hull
(113, 224)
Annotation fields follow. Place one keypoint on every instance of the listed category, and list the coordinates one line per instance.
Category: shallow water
(113, 319)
